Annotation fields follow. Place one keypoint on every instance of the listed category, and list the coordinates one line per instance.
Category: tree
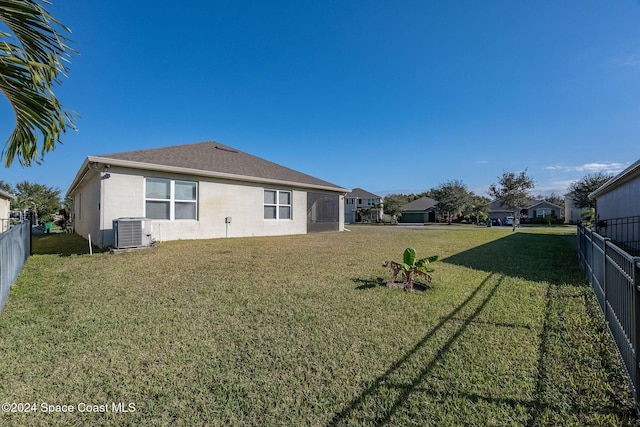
(477, 208)
(393, 204)
(33, 58)
(554, 198)
(365, 214)
(512, 191)
(6, 187)
(41, 198)
(581, 189)
(452, 196)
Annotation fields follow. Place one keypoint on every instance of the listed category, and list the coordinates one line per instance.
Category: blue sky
(389, 96)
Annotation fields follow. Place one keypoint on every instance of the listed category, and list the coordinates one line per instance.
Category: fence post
(591, 252)
(605, 287)
(636, 335)
(30, 231)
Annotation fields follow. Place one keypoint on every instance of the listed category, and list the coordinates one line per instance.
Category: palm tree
(33, 58)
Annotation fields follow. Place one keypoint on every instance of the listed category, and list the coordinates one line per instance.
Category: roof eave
(624, 176)
(8, 195)
(82, 172)
(541, 202)
(208, 174)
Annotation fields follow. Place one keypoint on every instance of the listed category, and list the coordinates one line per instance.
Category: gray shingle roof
(361, 194)
(218, 158)
(421, 204)
(495, 205)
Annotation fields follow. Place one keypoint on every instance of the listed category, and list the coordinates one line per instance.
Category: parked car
(508, 220)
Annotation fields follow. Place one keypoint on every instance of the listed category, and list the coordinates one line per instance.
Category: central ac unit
(132, 233)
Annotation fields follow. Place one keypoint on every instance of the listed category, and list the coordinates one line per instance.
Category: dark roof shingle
(421, 204)
(219, 158)
(361, 194)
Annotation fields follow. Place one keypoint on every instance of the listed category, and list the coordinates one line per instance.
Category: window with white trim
(543, 213)
(277, 204)
(171, 199)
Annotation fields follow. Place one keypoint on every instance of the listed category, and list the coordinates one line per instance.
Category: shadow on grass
(405, 390)
(379, 281)
(531, 256)
(368, 283)
(63, 244)
(535, 257)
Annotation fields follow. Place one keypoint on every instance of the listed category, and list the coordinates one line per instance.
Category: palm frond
(33, 57)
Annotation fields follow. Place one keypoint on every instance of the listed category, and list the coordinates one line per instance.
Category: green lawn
(296, 331)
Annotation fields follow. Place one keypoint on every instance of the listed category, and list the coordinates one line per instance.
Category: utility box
(132, 233)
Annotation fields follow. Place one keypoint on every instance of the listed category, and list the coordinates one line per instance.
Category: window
(171, 199)
(277, 204)
(543, 213)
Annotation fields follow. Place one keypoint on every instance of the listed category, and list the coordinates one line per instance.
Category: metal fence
(614, 276)
(15, 247)
(625, 232)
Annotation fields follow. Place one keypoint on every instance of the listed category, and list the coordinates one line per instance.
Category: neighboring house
(543, 209)
(498, 212)
(534, 209)
(618, 208)
(572, 213)
(201, 191)
(5, 208)
(360, 205)
(419, 211)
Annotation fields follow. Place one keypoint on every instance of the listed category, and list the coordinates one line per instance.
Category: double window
(543, 213)
(171, 199)
(277, 204)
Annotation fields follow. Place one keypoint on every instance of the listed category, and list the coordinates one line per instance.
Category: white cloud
(606, 167)
(632, 60)
(603, 167)
(559, 187)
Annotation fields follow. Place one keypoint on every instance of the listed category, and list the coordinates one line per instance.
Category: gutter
(625, 176)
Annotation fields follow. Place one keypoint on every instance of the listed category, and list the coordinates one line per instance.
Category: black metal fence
(625, 232)
(15, 248)
(614, 275)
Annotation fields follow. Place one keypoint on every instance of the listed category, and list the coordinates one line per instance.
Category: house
(496, 211)
(533, 209)
(5, 208)
(419, 211)
(360, 205)
(200, 191)
(620, 196)
(618, 209)
(572, 213)
(543, 209)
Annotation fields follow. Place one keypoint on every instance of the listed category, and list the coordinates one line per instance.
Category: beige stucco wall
(122, 193)
(5, 207)
(86, 209)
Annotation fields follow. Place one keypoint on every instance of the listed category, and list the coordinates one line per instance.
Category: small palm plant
(411, 268)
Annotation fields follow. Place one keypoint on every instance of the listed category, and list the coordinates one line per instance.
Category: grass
(294, 330)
